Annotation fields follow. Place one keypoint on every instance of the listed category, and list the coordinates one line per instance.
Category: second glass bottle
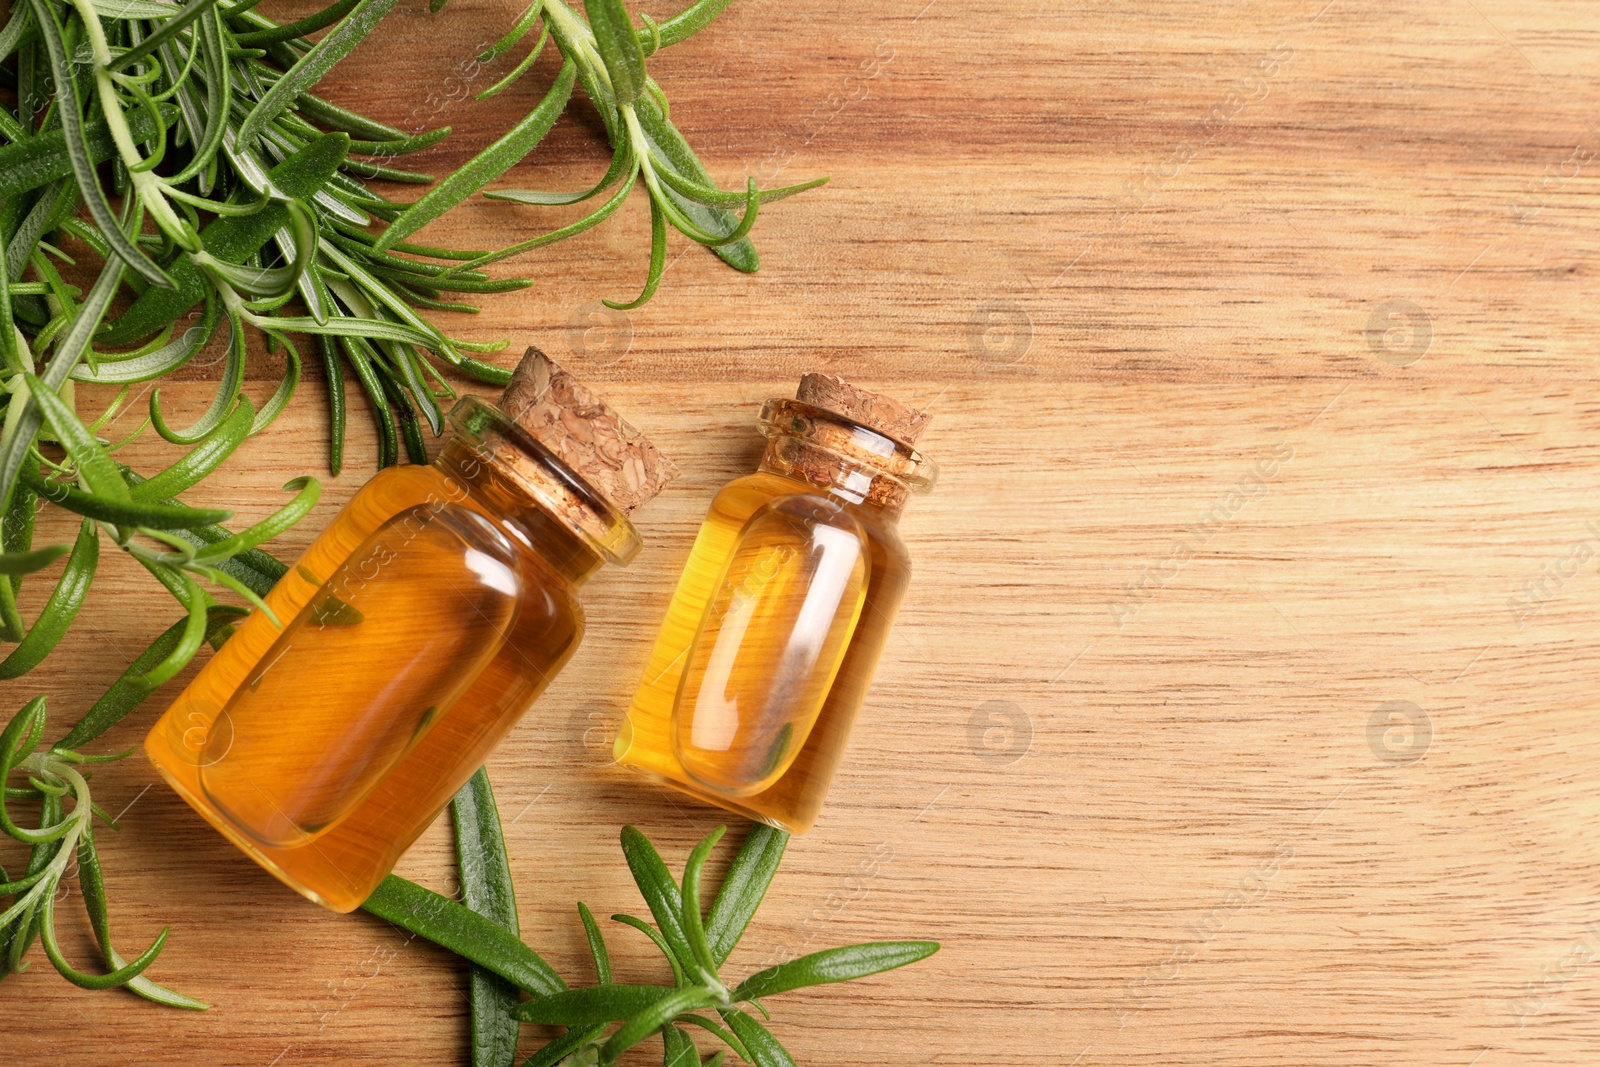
(783, 609)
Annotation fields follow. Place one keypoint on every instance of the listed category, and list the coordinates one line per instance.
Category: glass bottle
(409, 637)
(783, 609)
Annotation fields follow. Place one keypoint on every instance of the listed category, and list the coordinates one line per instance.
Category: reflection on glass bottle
(416, 630)
(783, 609)
(441, 604)
(771, 639)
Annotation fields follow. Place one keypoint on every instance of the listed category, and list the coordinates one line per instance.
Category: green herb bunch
(602, 1021)
(205, 113)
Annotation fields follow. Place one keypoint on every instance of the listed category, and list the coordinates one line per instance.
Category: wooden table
(1239, 712)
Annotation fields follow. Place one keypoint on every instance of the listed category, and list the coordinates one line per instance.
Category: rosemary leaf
(333, 47)
(486, 888)
(487, 165)
(463, 931)
(743, 888)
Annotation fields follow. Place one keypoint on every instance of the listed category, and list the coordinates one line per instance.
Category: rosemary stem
(579, 34)
(148, 186)
(41, 763)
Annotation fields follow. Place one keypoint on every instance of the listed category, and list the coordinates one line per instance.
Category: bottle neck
(541, 501)
(842, 457)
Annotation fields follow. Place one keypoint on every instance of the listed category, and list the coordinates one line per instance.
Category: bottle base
(342, 904)
(733, 804)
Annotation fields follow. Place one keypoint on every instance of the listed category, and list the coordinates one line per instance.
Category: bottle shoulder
(740, 498)
(408, 484)
(412, 492)
(750, 491)
(761, 485)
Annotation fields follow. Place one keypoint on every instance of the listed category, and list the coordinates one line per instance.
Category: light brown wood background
(1281, 314)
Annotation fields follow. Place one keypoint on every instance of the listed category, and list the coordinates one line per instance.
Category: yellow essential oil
(783, 609)
(414, 632)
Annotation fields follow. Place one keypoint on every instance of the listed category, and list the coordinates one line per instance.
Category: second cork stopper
(877, 412)
(554, 408)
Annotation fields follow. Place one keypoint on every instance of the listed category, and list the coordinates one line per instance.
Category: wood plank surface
(1241, 710)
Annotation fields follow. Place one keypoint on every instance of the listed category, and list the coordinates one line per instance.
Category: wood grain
(1221, 725)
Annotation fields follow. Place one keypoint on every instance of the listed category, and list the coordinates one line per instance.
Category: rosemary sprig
(56, 779)
(605, 56)
(605, 1020)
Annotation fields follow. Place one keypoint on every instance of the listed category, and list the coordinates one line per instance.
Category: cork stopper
(875, 411)
(561, 413)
